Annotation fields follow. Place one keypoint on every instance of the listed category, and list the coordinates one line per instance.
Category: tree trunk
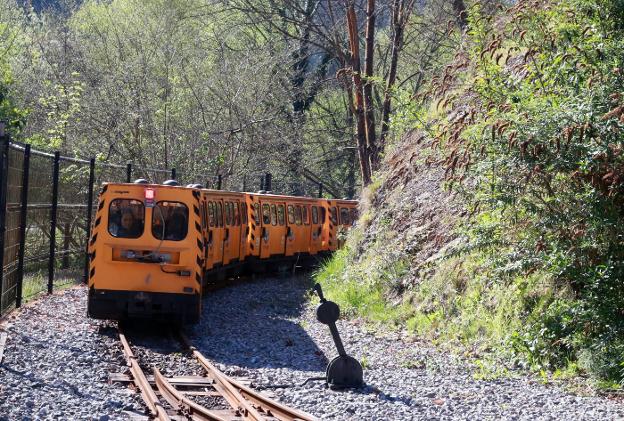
(368, 87)
(400, 16)
(359, 101)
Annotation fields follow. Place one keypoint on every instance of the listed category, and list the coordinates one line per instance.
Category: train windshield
(344, 216)
(126, 218)
(170, 221)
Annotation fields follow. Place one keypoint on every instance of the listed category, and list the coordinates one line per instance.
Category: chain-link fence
(46, 207)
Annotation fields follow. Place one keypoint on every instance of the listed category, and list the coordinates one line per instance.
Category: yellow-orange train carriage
(153, 248)
(146, 253)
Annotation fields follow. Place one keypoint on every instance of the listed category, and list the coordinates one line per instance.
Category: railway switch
(343, 371)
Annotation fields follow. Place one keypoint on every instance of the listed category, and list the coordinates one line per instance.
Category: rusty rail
(182, 404)
(245, 403)
(138, 376)
(251, 404)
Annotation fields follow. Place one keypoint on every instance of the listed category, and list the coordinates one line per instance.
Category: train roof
(232, 193)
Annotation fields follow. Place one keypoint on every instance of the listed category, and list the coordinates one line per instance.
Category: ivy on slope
(532, 132)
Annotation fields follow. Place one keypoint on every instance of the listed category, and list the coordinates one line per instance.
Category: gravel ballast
(57, 363)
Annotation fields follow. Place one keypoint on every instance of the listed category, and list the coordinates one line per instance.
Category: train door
(244, 230)
(306, 228)
(290, 230)
(333, 226)
(218, 231)
(279, 246)
(343, 226)
(210, 234)
(273, 229)
(324, 221)
(316, 229)
(265, 236)
(296, 241)
(231, 240)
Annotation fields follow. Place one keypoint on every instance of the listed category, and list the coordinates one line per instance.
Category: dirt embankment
(409, 216)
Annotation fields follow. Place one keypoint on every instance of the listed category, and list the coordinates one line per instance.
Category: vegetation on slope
(527, 121)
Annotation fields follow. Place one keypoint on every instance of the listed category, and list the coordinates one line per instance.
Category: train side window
(306, 219)
(236, 214)
(323, 214)
(273, 215)
(126, 218)
(344, 216)
(266, 214)
(170, 219)
(334, 215)
(291, 215)
(202, 214)
(298, 215)
(354, 215)
(244, 213)
(280, 214)
(314, 215)
(219, 214)
(228, 213)
(256, 207)
(211, 214)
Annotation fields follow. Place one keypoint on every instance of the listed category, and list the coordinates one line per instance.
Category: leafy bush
(536, 125)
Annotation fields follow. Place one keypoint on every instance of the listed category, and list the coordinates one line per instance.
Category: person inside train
(176, 225)
(175, 218)
(124, 225)
(122, 219)
(129, 227)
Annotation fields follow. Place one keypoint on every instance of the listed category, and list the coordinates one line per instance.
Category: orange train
(154, 248)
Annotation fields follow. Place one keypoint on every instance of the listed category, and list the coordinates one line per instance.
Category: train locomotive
(155, 249)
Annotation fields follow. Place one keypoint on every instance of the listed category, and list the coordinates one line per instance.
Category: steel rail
(182, 404)
(243, 397)
(227, 390)
(139, 379)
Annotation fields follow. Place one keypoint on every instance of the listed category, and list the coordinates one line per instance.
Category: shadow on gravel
(258, 324)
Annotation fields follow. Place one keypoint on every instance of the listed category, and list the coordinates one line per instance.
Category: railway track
(170, 398)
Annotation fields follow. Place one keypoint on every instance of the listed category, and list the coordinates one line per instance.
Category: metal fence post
(173, 173)
(128, 172)
(4, 172)
(267, 181)
(262, 182)
(219, 180)
(55, 183)
(89, 211)
(320, 190)
(23, 222)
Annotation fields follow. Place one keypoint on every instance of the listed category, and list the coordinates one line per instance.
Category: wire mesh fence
(47, 203)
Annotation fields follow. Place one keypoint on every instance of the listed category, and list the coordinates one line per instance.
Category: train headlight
(164, 257)
(128, 254)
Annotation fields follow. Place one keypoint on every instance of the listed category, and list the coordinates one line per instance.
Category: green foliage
(542, 142)
(361, 289)
(11, 38)
(529, 118)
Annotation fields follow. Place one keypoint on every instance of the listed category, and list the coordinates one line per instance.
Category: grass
(36, 283)
(461, 305)
(358, 295)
